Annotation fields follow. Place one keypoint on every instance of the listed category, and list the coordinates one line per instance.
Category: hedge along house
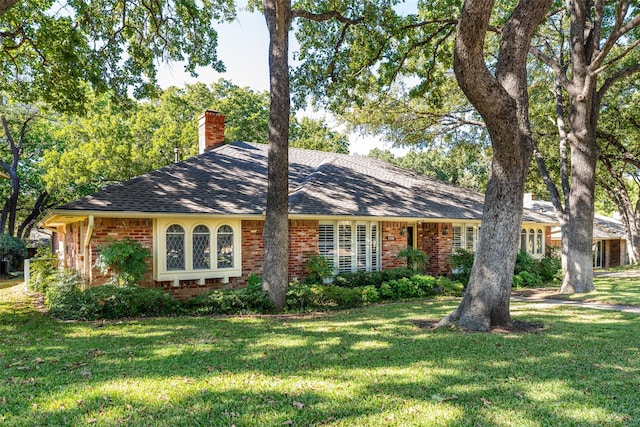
(202, 218)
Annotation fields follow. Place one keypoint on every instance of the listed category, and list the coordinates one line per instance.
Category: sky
(243, 47)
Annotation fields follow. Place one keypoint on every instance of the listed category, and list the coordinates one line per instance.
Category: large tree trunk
(276, 226)
(579, 274)
(503, 103)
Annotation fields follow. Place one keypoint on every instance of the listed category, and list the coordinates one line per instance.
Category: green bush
(13, 250)
(373, 278)
(526, 280)
(461, 261)
(250, 299)
(318, 269)
(447, 287)
(43, 270)
(369, 294)
(415, 258)
(386, 291)
(115, 302)
(301, 297)
(64, 298)
(125, 259)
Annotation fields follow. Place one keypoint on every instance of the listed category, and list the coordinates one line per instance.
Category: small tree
(12, 249)
(125, 260)
(416, 259)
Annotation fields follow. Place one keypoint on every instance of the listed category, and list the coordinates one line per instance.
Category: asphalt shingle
(232, 180)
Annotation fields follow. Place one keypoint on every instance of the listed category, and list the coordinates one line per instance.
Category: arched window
(532, 241)
(539, 241)
(201, 248)
(175, 248)
(225, 246)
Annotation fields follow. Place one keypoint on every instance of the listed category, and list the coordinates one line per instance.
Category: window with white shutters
(350, 245)
(327, 242)
(464, 236)
(456, 237)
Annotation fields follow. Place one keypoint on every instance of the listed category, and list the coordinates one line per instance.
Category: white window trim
(371, 262)
(189, 224)
(464, 235)
(528, 229)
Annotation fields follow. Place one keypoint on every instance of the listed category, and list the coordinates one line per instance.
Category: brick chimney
(210, 131)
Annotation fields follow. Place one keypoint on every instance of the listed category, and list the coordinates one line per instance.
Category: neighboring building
(609, 236)
(203, 218)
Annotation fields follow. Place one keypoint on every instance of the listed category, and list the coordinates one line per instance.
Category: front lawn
(362, 367)
(612, 290)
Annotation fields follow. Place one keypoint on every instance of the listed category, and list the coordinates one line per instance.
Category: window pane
(225, 246)
(523, 240)
(361, 242)
(201, 248)
(532, 237)
(345, 249)
(539, 242)
(326, 242)
(175, 248)
(456, 237)
(374, 248)
(470, 239)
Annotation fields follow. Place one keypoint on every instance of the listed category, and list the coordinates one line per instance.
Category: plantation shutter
(374, 248)
(361, 244)
(345, 248)
(326, 242)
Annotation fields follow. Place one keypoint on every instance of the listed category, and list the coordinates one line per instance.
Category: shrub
(251, 299)
(386, 291)
(527, 280)
(43, 270)
(318, 269)
(369, 294)
(524, 262)
(125, 259)
(461, 263)
(416, 259)
(448, 287)
(300, 296)
(341, 297)
(12, 249)
(373, 278)
(115, 302)
(64, 298)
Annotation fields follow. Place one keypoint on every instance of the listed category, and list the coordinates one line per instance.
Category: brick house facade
(203, 218)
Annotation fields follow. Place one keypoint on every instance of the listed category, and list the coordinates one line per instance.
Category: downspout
(86, 252)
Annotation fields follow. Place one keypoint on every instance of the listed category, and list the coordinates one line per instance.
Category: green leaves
(50, 50)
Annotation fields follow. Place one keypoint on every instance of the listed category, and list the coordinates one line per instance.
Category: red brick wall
(393, 242)
(109, 229)
(252, 249)
(438, 247)
(303, 242)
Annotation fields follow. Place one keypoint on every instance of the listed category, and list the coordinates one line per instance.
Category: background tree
(111, 143)
(25, 136)
(465, 165)
(599, 52)
(619, 172)
(50, 50)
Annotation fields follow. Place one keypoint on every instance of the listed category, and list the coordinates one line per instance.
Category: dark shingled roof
(232, 180)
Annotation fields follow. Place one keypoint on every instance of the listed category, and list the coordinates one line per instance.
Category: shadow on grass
(368, 366)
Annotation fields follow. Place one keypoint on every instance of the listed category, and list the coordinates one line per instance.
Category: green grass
(611, 290)
(7, 283)
(361, 367)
